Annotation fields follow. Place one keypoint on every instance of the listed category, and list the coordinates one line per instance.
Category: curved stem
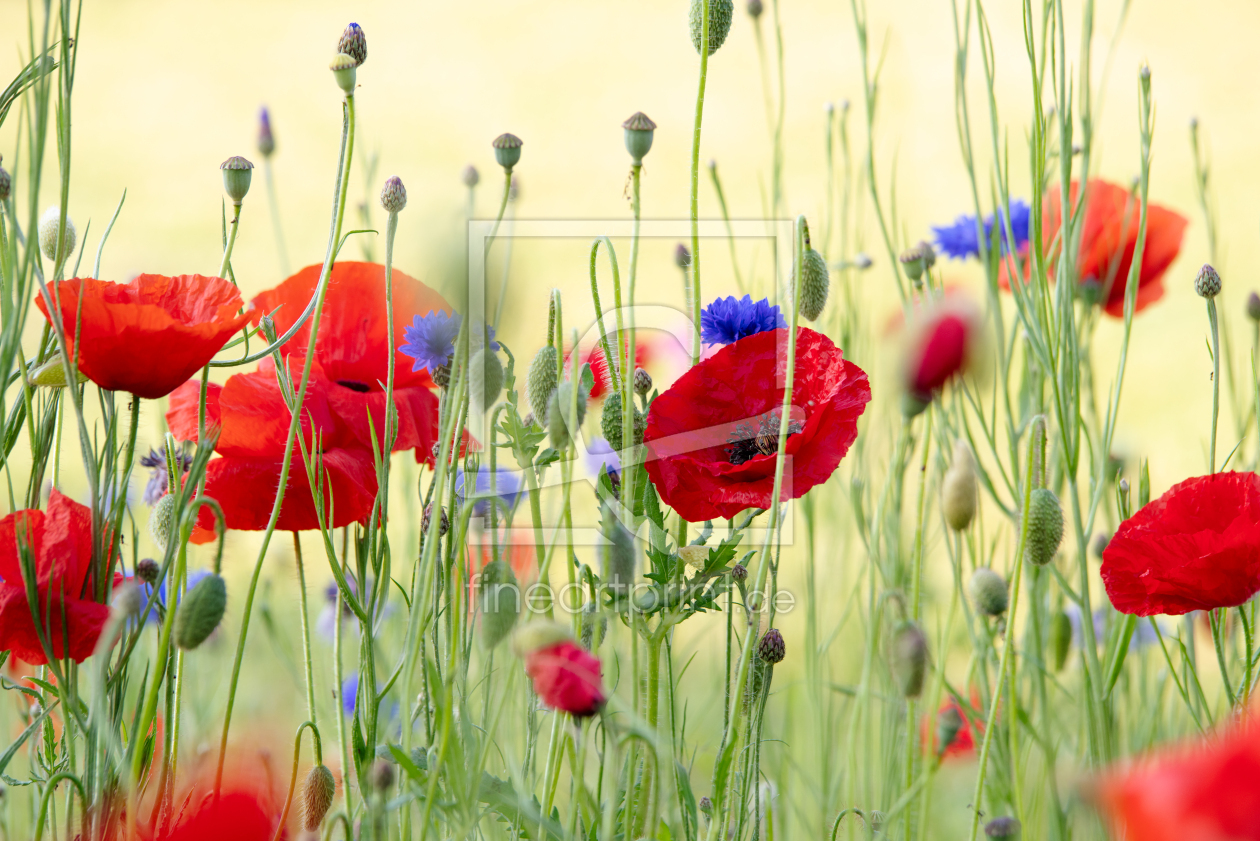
(49, 788)
(494, 232)
(297, 752)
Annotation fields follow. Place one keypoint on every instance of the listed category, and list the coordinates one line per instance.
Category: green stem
(227, 251)
(695, 183)
(306, 627)
(281, 251)
(1216, 379)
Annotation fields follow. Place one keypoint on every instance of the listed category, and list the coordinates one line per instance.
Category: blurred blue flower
(507, 484)
(729, 319)
(959, 241)
(350, 692)
(430, 339)
(600, 455)
(147, 589)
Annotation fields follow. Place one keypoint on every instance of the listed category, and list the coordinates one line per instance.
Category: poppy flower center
(747, 442)
(355, 385)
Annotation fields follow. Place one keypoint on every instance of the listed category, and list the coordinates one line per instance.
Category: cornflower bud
(988, 592)
(720, 14)
(540, 382)
(862, 261)
(393, 195)
(353, 43)
(1100, 544)
(558, 419)
(471, 177)
(485, 375)
(500, 602)
(755, 8)
(908, 660)
(616, 555)
(162, 521)
(642, 382)
(959, 489)
(639, 128)
(1003, 827)
(739, 572)
(6, 183)
(343, 67)
(771, 648)
(1060, 639)
(147, 570)
(1208, 283)
(49, 225)
(266, 140)
(682, 257)
(200, 612)
(317, 796)
(815, 281)
(237, 173)
(382, 775)
(706, 807)
(443, 527)
(1045, 527)
(507, 150)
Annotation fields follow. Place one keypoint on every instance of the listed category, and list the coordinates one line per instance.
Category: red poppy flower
(353, 348)
(1206, 792)
(567, 677)
(247, 808)
(61, 542)
(1197, 547)
(940, 343)
(964, 741)
(712, 437)
(150, 335)
(1109, 240)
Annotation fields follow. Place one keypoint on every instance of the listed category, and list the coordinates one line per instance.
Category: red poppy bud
(939, 344)
(567, 678)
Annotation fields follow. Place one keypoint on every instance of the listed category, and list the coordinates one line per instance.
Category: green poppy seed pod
(908, 659)
(147, 570)
(616, 555)
(485, 375)
(1253, 299)
(1207, 283)
(1060, 639)
(343, 68)
(49, 225)
(913, 262)
(988, 592)
(1045, 527)
(594, 626)
(507, 150)
(642, 382)
(537, 635)
(6, 183)
(639, 129)
(755, 8)
(959, 489)
(720, 14)
(500, 602)
(949, 723)
(771, 648)
(1003, 827)
(200, 612)
(353, 43)
(52, 374)
(558, 419)
(381, 776)
(540, 382)
(317, 796)
(393, 195)
(162, 521)
(470, 176)
(237, 173)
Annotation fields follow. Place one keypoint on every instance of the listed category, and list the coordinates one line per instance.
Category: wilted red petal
(567, 678)
(150, 335)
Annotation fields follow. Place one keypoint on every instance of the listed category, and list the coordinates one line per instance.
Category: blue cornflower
(506, 483)
(959, 241)
(430, 339)
(730, 319)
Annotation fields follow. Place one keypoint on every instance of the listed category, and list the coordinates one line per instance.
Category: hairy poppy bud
(353, 43)
(642, 382)
(237, 173)
(344, 67)
(1060, 639)
(52, 374)
(908, 659)
(128, 600)
(959, 489)
(610, 422)
(1208, 283)
(639, 130)
(541, 382)
(558, 419)
(147, 570)
(200, 612)
(949, 723)
(1253, 303)
(988, 592)
(382, 775)
(6, 183)
(49, 225)
(266, 140)
(500, 602)
(393, 195)
(317, 796)
(471, 177)
(720, 14)
(162, 521)
(593, 626)
(1045, 527)
(815, 281)
(507, 150)
(485, 375)
(1004, 827)
(616, 555)
(771, 649)
(682, 257)
(755, 8)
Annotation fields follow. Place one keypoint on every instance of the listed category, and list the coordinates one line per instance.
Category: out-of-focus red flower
(254, 425)
(353, 348)
(567, 677)
(516, 547)
(60, 540)
(599, 365)
(940, 342)
(1109, 240)
(248, 807)
(712, 437)
(1197, 547)
(150, 335)
(964, 743)
(1206, 792)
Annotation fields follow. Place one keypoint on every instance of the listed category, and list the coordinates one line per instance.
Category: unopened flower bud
(771, 648)
(507, 150)
(382, 775)
(200, 612)
(915, 262)
(1100, 544)
(706, 807)
(6, 183)
(560, 426)
(908, 658)
(1253, 304)
(443, 527)
(162, 521)
(949, 723)
(739, 573)
(593, 626)
(755, 8)
(1045, 527)
(988, 592)
(343, 67)
(470, 176)
(49, 227)
(862, 261)
(610, 422)
(541, 381)
(537, 635)
(1208, 283)
(485, 376)
(682, 257)
(500, 602)
(317, 796)
(353, 43)
(815, 281)
(1060, 639)
(267, 326)
(52, 374)
(393, 195)
(639, 129)
(147, 570)
(128, 600)
(720, 14)
(1006, 827)
(959, 489)
(642, 382)
(237, 173)
(616, 555)
(266, 140)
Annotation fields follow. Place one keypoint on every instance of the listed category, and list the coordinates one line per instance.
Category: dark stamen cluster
(747, 443)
